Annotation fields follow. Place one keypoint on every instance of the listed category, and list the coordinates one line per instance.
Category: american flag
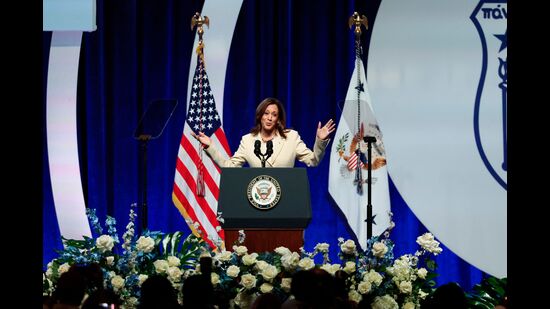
(352, 162)
(197, 177)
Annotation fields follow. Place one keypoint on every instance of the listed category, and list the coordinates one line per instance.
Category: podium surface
(265, 229)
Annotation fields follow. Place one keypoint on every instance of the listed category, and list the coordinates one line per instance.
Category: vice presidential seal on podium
(263, 192)
(272, 206)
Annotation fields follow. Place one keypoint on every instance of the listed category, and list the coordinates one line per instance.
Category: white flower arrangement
(373, 275)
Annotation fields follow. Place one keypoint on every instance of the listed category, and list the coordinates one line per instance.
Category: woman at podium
(270, 143)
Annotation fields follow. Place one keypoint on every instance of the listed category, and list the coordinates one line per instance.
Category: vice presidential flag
(197, 177)
(348, 162)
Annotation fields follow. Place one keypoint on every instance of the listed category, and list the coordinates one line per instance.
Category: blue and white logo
(490, 19)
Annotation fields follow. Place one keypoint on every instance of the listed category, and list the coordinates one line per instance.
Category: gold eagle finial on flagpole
(198, 20)
(357, 20)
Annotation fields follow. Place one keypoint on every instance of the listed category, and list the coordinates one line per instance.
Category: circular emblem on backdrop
(263, 192)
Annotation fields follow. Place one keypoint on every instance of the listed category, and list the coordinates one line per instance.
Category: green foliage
(487, 294)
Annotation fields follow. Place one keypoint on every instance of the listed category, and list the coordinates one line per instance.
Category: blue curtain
(298, 51)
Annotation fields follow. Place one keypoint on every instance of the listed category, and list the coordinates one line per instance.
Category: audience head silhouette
(158, 292)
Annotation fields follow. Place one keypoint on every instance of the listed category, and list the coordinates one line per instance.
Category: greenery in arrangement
(487, 294)
(373, 274)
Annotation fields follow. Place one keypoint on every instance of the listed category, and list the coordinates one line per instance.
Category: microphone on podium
(257, 150)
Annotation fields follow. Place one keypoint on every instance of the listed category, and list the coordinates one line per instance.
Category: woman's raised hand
(324, 131)
(202, 138)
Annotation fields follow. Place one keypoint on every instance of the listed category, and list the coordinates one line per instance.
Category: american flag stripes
(197, 177)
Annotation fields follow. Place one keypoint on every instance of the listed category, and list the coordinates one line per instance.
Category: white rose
(249, 259)
(240, 250)
(244, 300)
(422, 294)
(104, 243)
(174, 274)
(266, 287)
(233, 271)
(408, 305)
(379, 249)
(373, 277)
(145, 244)
(260, 265)
(405, 287)
(322, 247)
(428, 243)
(117, 282)
(214, 278)
(422, 272)
(110, 260)
(248, 281)
(63, 268)
(384, 302)
(282, 250)
(223, 256)
(354, 296)
(364, 287)
(306, 263)
(269, 272)
(173, 261)
(349, 267)
(161, 266)
(348, 247)
(286, 284)
(290, 261)
(142, 278)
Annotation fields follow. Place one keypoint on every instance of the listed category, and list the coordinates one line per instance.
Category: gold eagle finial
(357, 20)
(198, 20)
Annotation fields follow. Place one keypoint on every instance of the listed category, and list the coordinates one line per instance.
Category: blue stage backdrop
(298, 51)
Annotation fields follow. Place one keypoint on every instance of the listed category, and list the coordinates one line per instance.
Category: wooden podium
(266, 227)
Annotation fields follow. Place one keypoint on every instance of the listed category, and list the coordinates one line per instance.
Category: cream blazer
(285, 152)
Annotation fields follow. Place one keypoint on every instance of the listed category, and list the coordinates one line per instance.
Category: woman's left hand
(324, 131)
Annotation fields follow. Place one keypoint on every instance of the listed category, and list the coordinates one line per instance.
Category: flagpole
(198, 20)
(357, 21)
